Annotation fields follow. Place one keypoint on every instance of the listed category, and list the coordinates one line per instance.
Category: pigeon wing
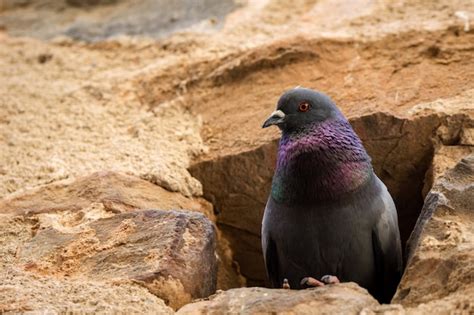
(387, 251)
(271, 262)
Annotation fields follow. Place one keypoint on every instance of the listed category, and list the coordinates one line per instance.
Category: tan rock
(172, 253)
(467, 136)
(70, 205)
(440, 269)
(90, 120)
(115, 192)
(445, 158)
(347, 298)
(23, 292)
(93, 228)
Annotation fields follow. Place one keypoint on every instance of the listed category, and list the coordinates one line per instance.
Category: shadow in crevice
(401, 150)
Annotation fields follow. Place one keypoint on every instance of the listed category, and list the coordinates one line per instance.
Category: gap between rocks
(401, 150)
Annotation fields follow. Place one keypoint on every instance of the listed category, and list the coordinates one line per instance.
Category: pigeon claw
(286, 285)
(311, 282)
(328, 279)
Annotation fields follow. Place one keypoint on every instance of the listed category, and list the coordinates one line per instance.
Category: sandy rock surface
(28, 293)
(110, 192)
(63, 115)
(77, 202)
(440, 271)
(171, 253)
(327, 300)
(77, 228)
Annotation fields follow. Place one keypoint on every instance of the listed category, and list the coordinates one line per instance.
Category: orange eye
(304, 107)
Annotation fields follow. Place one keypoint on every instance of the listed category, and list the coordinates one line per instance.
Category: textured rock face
(71, 204)
(445, 158)
(347, 298)
(93, 229)
(439, 274)
(169, 252)
(111, 191)
(25, 292)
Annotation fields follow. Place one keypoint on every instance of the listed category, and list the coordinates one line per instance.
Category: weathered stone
(467, 137)
(439, 273)
(93, 228)
(172, 253)
(23, 292)
(75, 203)
(445, 158)
(347, 298)
(115, 192)
(385, 309)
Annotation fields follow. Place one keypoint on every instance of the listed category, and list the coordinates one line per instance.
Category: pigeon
(328, 218)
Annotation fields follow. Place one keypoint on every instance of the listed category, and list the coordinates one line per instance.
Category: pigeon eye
(303, 107)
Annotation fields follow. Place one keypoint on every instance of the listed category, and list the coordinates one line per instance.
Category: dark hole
(403, 174)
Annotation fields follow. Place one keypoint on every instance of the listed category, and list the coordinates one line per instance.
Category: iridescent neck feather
(321, 161)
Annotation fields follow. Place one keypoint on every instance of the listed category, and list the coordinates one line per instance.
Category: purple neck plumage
(321, 161)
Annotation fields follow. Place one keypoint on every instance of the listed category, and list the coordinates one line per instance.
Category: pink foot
(310, 281)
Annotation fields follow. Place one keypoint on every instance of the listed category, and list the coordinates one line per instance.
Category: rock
(439, 273)
(346, 298)
(171, 253)
(92, 120)
(467, 137)
(385, 309)
(445, 158)
(24, 292)
(94, 228)
(85, 3)
(113, 192)
(240, 201)
(228, 271)
(78, 202)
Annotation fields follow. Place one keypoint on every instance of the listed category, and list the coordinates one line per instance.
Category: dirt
(74, 114)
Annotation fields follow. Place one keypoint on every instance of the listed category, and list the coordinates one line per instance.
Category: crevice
(402, 165)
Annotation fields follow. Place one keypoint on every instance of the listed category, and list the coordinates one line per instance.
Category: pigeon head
(299, 108)
(319, 154)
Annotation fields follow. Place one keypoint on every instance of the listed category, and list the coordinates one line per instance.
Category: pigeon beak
(276, 118)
